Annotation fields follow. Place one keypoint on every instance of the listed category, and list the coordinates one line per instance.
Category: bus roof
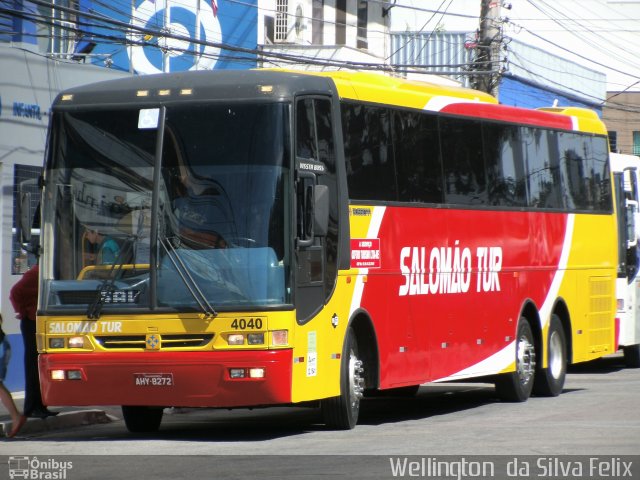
(279, 84)
(380, 88)
(197, 86)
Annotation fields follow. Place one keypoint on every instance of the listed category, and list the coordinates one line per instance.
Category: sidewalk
(67, 418)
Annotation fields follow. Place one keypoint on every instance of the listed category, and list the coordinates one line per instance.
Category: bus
(625, 170)
(309, 238)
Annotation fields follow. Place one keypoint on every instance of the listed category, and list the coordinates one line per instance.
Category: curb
(61, 421)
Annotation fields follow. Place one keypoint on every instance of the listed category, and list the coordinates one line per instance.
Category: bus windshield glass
(210, 232)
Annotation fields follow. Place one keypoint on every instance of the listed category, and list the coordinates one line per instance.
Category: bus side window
(463, 163)
(368, 153)
(417, 155)
(306, 141)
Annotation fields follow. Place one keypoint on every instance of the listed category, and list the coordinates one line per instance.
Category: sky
(603, 35)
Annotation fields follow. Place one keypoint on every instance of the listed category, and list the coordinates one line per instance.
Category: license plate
(153, 379)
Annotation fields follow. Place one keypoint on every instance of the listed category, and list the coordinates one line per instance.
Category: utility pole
(488, 48)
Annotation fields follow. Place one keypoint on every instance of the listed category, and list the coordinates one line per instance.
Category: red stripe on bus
(510, 114)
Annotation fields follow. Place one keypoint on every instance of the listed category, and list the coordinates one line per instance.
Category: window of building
(282, 7)
(362, 24)
(317, 22)
(64, 24)
(341, 22)
(269, 26)
(613, 140)
(25, 180)
(636, 143)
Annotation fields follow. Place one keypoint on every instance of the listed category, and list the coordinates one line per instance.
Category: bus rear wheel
(142, 419)
(516, 386)
(342, 412)
(550, 381)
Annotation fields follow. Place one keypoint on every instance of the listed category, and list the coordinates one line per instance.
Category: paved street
(596, 414)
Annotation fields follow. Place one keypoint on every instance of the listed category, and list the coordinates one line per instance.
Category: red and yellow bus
(277, 237)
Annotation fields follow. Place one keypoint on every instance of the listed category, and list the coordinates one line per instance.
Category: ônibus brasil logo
(40, 469)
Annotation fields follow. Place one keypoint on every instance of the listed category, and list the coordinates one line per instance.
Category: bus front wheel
(517, 386)
(142, 419)
(550, 381)
(342, 412)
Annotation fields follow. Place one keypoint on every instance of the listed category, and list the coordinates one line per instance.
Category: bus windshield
(210, 233)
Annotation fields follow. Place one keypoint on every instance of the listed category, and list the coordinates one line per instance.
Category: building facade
(323, 34)
(621, 114)
(555, 80)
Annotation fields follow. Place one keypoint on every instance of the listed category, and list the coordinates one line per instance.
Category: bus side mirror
(631, 211)
(313, 211)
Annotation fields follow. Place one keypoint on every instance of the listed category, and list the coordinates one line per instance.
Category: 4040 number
(247, 324)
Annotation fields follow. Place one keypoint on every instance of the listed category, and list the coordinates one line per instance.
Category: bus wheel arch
(562, 312)
(549, 381)
(368, 347)
(358, 369)
(516, 386)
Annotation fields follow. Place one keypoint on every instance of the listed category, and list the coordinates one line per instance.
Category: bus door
(316, 205)
(629, 239)
(632, 201)
(628, 282)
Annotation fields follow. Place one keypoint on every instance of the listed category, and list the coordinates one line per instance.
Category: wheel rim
(356, 381)
(556, 357)
(526, 360)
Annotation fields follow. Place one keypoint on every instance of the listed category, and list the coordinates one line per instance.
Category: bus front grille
(114, 342)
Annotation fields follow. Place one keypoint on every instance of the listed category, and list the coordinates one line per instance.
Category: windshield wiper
(187, 278)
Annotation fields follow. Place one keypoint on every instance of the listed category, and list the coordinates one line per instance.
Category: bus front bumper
(168, 379)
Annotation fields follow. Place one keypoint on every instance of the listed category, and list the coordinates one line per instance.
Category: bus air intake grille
(168, 341)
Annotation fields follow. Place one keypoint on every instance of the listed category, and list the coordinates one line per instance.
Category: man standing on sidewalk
(24, 298)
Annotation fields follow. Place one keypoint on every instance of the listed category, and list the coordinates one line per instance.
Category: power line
(578, 55)
(86, 21)
(130, 30)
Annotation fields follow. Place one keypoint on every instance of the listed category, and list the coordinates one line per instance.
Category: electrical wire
(86, 22)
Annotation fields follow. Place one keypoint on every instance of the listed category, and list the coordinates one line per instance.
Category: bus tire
(517, 386)
(549, 381)
(342, 412)
(142, 419)
(632, 356)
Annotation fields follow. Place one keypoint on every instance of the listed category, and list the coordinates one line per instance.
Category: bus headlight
(76, 342)
(56, 342)
(279, 337)
(255, 338)
(235, 339)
